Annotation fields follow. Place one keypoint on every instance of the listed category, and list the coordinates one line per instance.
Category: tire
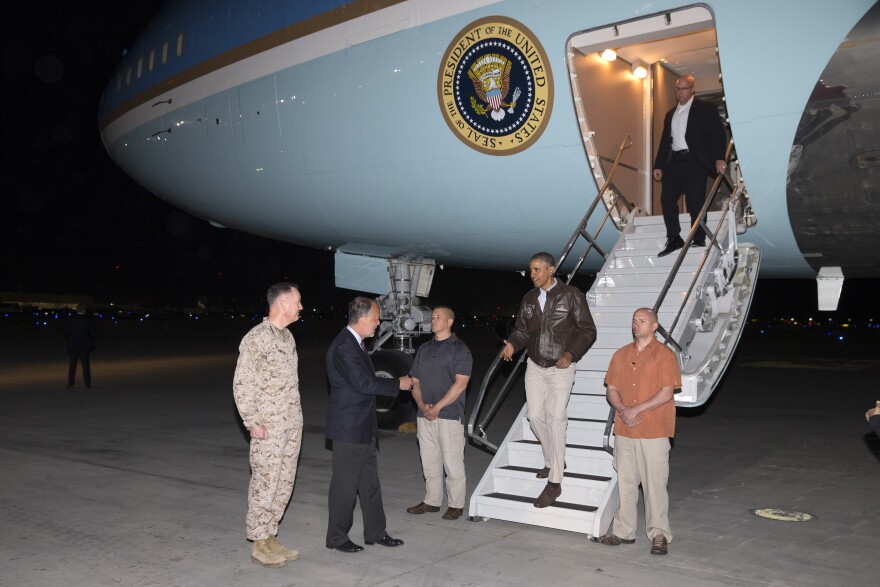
(392, 411)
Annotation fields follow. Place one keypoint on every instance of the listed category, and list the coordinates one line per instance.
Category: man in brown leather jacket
(555, 324)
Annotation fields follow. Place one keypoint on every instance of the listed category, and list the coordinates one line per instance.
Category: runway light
(608, 54)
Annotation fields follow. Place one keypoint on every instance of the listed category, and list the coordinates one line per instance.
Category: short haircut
(544, 258)
(650, 312)
(358, 308)
(278, 290)
(449, 313)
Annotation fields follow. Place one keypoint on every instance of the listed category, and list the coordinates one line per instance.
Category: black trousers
(683, 174)
(83, 357)
(355, 474)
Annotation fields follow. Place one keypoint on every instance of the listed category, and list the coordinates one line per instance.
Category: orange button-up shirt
(639, 376)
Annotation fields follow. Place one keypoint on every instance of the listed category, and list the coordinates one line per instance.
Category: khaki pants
(441, 444)
(273, 469)
(547, 393)
(645, 461)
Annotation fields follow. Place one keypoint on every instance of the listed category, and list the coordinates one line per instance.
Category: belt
(682, 153)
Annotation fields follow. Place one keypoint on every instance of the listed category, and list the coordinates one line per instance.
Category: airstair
(702, 297)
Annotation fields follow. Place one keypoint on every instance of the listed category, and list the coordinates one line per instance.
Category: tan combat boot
(279, 549)
(262, 555)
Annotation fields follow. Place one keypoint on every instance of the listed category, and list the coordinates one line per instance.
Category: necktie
(363, 347)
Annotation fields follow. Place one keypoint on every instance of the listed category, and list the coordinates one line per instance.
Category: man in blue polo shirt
(440, 373)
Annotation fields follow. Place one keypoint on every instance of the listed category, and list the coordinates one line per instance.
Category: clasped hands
(630, 416)
(429, 411)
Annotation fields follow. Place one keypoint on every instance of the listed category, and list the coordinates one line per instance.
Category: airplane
(409, 134)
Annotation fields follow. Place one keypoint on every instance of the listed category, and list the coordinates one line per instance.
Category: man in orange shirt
(640, 383)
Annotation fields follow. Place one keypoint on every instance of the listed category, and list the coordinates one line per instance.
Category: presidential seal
(495, 86)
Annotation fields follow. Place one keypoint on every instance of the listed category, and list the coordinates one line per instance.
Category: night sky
(71, 222)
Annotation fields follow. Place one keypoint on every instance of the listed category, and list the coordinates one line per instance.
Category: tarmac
(142, 479)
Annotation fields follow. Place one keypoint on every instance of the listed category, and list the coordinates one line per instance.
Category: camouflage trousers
(273, 469)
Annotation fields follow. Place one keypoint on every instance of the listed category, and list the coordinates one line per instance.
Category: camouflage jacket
(266, 382)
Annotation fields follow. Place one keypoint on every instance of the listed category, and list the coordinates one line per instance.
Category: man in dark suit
(692, 146)
(352, 426)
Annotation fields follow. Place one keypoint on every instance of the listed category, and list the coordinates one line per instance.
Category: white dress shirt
(680, 124)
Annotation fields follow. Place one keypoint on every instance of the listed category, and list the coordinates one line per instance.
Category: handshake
(406, 383)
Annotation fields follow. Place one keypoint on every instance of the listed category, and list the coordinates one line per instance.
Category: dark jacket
(704, 135)
(565, 325)
(79, 334)
(351, 409)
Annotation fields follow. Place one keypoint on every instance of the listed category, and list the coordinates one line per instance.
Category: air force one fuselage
(456, 130)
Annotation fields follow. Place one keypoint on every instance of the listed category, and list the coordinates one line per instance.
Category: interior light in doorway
(639, 70)
(608, 55)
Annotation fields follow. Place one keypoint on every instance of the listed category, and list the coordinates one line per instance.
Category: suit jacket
(351, 410)
(704, 135)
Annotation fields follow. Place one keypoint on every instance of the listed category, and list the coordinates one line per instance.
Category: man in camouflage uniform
(266, 390)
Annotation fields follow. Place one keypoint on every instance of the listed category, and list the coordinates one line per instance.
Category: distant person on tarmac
(556, 326)
(639, 385)
(440, 372)
(266, 391)
(80, 342)
(873, 418)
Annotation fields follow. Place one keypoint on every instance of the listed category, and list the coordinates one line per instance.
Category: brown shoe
(614, 540)
(659, 545)
(422, 508)
(543, 473)
(548, 496)
(453, 513)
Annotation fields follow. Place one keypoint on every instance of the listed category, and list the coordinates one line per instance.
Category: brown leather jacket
(565, 325)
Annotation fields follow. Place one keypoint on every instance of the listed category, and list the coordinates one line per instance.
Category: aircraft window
(165, 53)
(180, 44)
(128, 75)
(152, 60)
(140, 67)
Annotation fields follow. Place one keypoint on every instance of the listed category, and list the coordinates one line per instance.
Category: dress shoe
(698, 243)
(659, 544)
(386, 541)
(614, 540)
(453, 513)
(672, 245)
(548, 496)
(422, 508)
(347, 546)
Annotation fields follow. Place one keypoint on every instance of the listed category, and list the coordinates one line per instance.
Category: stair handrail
(479, 435)
(580, 231)
(476, 431)
(705, 257)
(700, 223)
(606, 436)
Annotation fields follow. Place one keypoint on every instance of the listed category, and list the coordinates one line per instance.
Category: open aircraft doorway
(622, 79)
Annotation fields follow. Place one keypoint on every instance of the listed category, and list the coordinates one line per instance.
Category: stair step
(649, 278)
(581, 431)
(531, 500)
(566, 475)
